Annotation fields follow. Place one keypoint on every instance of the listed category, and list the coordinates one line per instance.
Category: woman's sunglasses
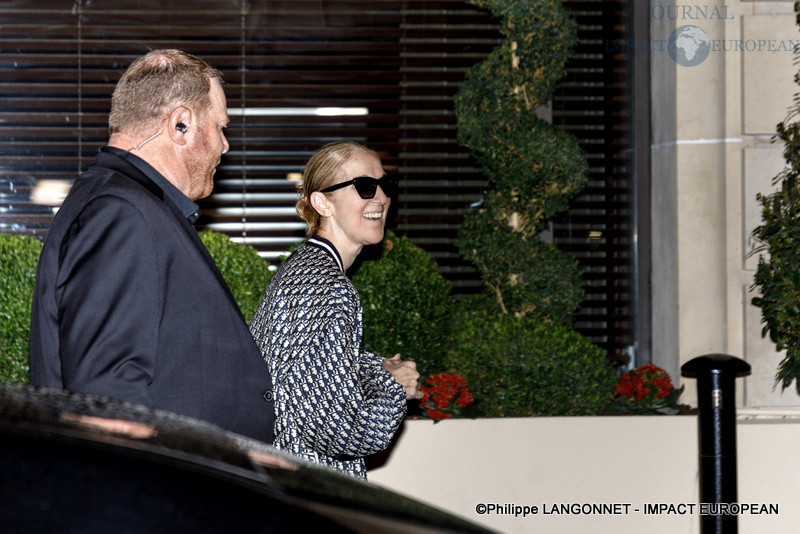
(366, 186)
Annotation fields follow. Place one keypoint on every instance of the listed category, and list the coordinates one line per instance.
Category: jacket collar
(326, 246)
(151, 179)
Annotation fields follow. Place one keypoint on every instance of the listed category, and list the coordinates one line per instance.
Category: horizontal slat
(404, 61)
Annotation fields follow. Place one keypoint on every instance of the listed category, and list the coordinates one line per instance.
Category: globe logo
(688, 46)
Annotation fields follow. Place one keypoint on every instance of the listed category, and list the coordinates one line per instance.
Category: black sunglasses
(366, 186)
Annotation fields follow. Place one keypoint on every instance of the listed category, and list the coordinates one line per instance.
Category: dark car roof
(77, 463)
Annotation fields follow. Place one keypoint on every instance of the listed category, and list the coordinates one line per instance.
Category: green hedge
(518, 352)
(405, 302)
(514, 367)
(519, 367)
(246, 273)
(20, 255)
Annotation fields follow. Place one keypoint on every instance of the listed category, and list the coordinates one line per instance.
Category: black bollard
(716, 397)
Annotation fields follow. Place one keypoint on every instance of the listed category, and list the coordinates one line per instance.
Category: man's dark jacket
(129, 304)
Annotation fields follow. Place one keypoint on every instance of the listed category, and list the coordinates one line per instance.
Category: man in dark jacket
(128, 302)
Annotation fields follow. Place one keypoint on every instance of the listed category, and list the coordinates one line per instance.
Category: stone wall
(713, 124)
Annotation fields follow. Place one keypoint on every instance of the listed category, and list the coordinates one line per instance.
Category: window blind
(300, 73)
(594, 103)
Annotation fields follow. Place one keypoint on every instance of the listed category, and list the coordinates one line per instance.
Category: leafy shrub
(778, 240)
(405, 302)
(534, 167)
(519, 367)
(20, 255)
(246, 273)
(518, 353)
(514, 367)
(778, 272)
(527, 277)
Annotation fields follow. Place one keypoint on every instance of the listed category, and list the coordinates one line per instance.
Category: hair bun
(307, 212)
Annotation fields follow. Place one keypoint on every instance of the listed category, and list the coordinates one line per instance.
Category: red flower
(442, 388)
(442, 399)
(425, 394)
(465, 398)
(646, 388)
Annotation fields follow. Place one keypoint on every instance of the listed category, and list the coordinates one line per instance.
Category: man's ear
(321, 204)
(180, 124)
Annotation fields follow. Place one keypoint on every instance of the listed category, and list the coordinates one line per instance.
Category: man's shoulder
(107, 184)
(102, 197)
(99, 181)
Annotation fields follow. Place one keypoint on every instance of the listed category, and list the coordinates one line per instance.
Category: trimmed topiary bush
(19, 256)
(521, 367)
(515, 345)
(405, 302)
(534, 167)
(548, 285)
(246, 273)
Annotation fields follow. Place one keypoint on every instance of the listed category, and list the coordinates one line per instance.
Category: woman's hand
(406, 373)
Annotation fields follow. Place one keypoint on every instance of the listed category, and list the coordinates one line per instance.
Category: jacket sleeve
(108, 298)
(345, 404)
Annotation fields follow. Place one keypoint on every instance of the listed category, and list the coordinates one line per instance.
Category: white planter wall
(635, 460)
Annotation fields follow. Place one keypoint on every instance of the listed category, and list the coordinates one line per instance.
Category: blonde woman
(335, 402)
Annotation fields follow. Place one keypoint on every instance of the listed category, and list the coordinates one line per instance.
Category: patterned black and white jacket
(334, 404)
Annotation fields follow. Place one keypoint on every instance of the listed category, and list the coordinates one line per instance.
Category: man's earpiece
(181, 127)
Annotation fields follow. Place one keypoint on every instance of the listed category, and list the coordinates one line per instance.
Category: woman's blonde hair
(324, 169)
